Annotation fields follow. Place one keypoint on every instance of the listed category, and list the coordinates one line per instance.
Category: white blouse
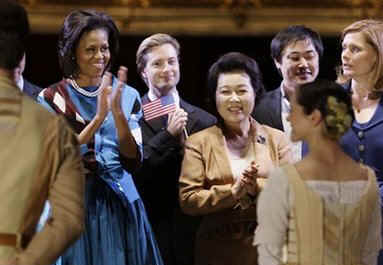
(276, 200)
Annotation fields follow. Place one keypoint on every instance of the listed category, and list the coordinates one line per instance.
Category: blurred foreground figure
(50, 168)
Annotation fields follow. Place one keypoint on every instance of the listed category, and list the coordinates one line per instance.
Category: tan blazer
(225, 233)
(39, 161)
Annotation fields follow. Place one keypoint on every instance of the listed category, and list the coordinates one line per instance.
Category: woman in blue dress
(362, 75)
(104, 112)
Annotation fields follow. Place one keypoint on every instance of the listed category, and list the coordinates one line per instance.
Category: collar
(172, 92)
(20, 83)
(285, 101)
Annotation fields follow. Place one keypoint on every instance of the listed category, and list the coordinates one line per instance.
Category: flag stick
(186, 133)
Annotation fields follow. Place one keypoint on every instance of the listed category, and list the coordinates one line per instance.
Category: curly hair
(75, 25)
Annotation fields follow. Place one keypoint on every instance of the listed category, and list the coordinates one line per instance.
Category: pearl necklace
(83, 91)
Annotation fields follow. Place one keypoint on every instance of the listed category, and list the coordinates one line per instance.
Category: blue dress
(117, 231)
(364, 143)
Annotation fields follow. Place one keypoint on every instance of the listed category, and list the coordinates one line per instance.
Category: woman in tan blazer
(224, 165)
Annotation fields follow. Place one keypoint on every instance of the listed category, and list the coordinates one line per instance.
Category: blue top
(364, 143)
(106, 144)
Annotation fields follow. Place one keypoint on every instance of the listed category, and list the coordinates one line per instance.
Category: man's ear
(277, 64)
(143, 75)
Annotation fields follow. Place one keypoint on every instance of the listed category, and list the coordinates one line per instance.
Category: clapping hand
(103, 98)
(247, 183)
(249, 177)
(116, 95)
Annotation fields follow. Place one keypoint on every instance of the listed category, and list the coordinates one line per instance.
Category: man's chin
(302, 81)
(164, 90)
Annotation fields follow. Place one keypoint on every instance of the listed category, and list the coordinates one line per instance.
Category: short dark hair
(315, 95)
(292, 34)
(13, 19)
(75, 25)
(232, 62)
(14, 28)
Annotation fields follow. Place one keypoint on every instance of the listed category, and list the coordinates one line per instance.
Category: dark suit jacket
(157, 180)
(268, 110)
(31, 89)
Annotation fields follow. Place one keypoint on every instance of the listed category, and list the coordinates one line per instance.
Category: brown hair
(150, 42)
(372, 30)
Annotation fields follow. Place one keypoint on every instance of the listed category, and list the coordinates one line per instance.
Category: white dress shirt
(296, 147)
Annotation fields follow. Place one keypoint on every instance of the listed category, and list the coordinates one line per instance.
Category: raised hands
(127, 144)
(247, 183)
(103, 98)
(107, 100)
(116, 94)
(177, 122)
(250, 177)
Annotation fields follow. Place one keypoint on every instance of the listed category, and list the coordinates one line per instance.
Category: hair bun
(337, 120)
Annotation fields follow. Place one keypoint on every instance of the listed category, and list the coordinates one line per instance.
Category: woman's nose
(99, 54)
(166, 67)
(345, 54)
(234, 97)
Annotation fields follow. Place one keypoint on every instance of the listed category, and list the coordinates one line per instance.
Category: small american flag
(156, 108)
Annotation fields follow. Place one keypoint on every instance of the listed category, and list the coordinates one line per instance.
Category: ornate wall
(210, 17)
(205, 29)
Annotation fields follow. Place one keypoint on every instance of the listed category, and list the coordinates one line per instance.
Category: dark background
(197, 54)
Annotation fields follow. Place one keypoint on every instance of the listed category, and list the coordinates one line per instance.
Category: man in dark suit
(163, 137)
(25, 86)
(296, 51)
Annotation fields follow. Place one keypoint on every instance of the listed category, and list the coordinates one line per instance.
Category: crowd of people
(289, 176)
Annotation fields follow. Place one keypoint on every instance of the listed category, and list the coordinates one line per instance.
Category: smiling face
(162, 70)
(92, 54)
(299, 63)
(234, 97)
(358, 56)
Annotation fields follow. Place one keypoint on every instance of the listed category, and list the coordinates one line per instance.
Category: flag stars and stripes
(159, 107)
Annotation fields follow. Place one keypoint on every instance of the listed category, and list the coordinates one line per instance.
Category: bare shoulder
(345, 169)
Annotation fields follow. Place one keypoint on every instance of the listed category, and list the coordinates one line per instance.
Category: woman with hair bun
(326, 207)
